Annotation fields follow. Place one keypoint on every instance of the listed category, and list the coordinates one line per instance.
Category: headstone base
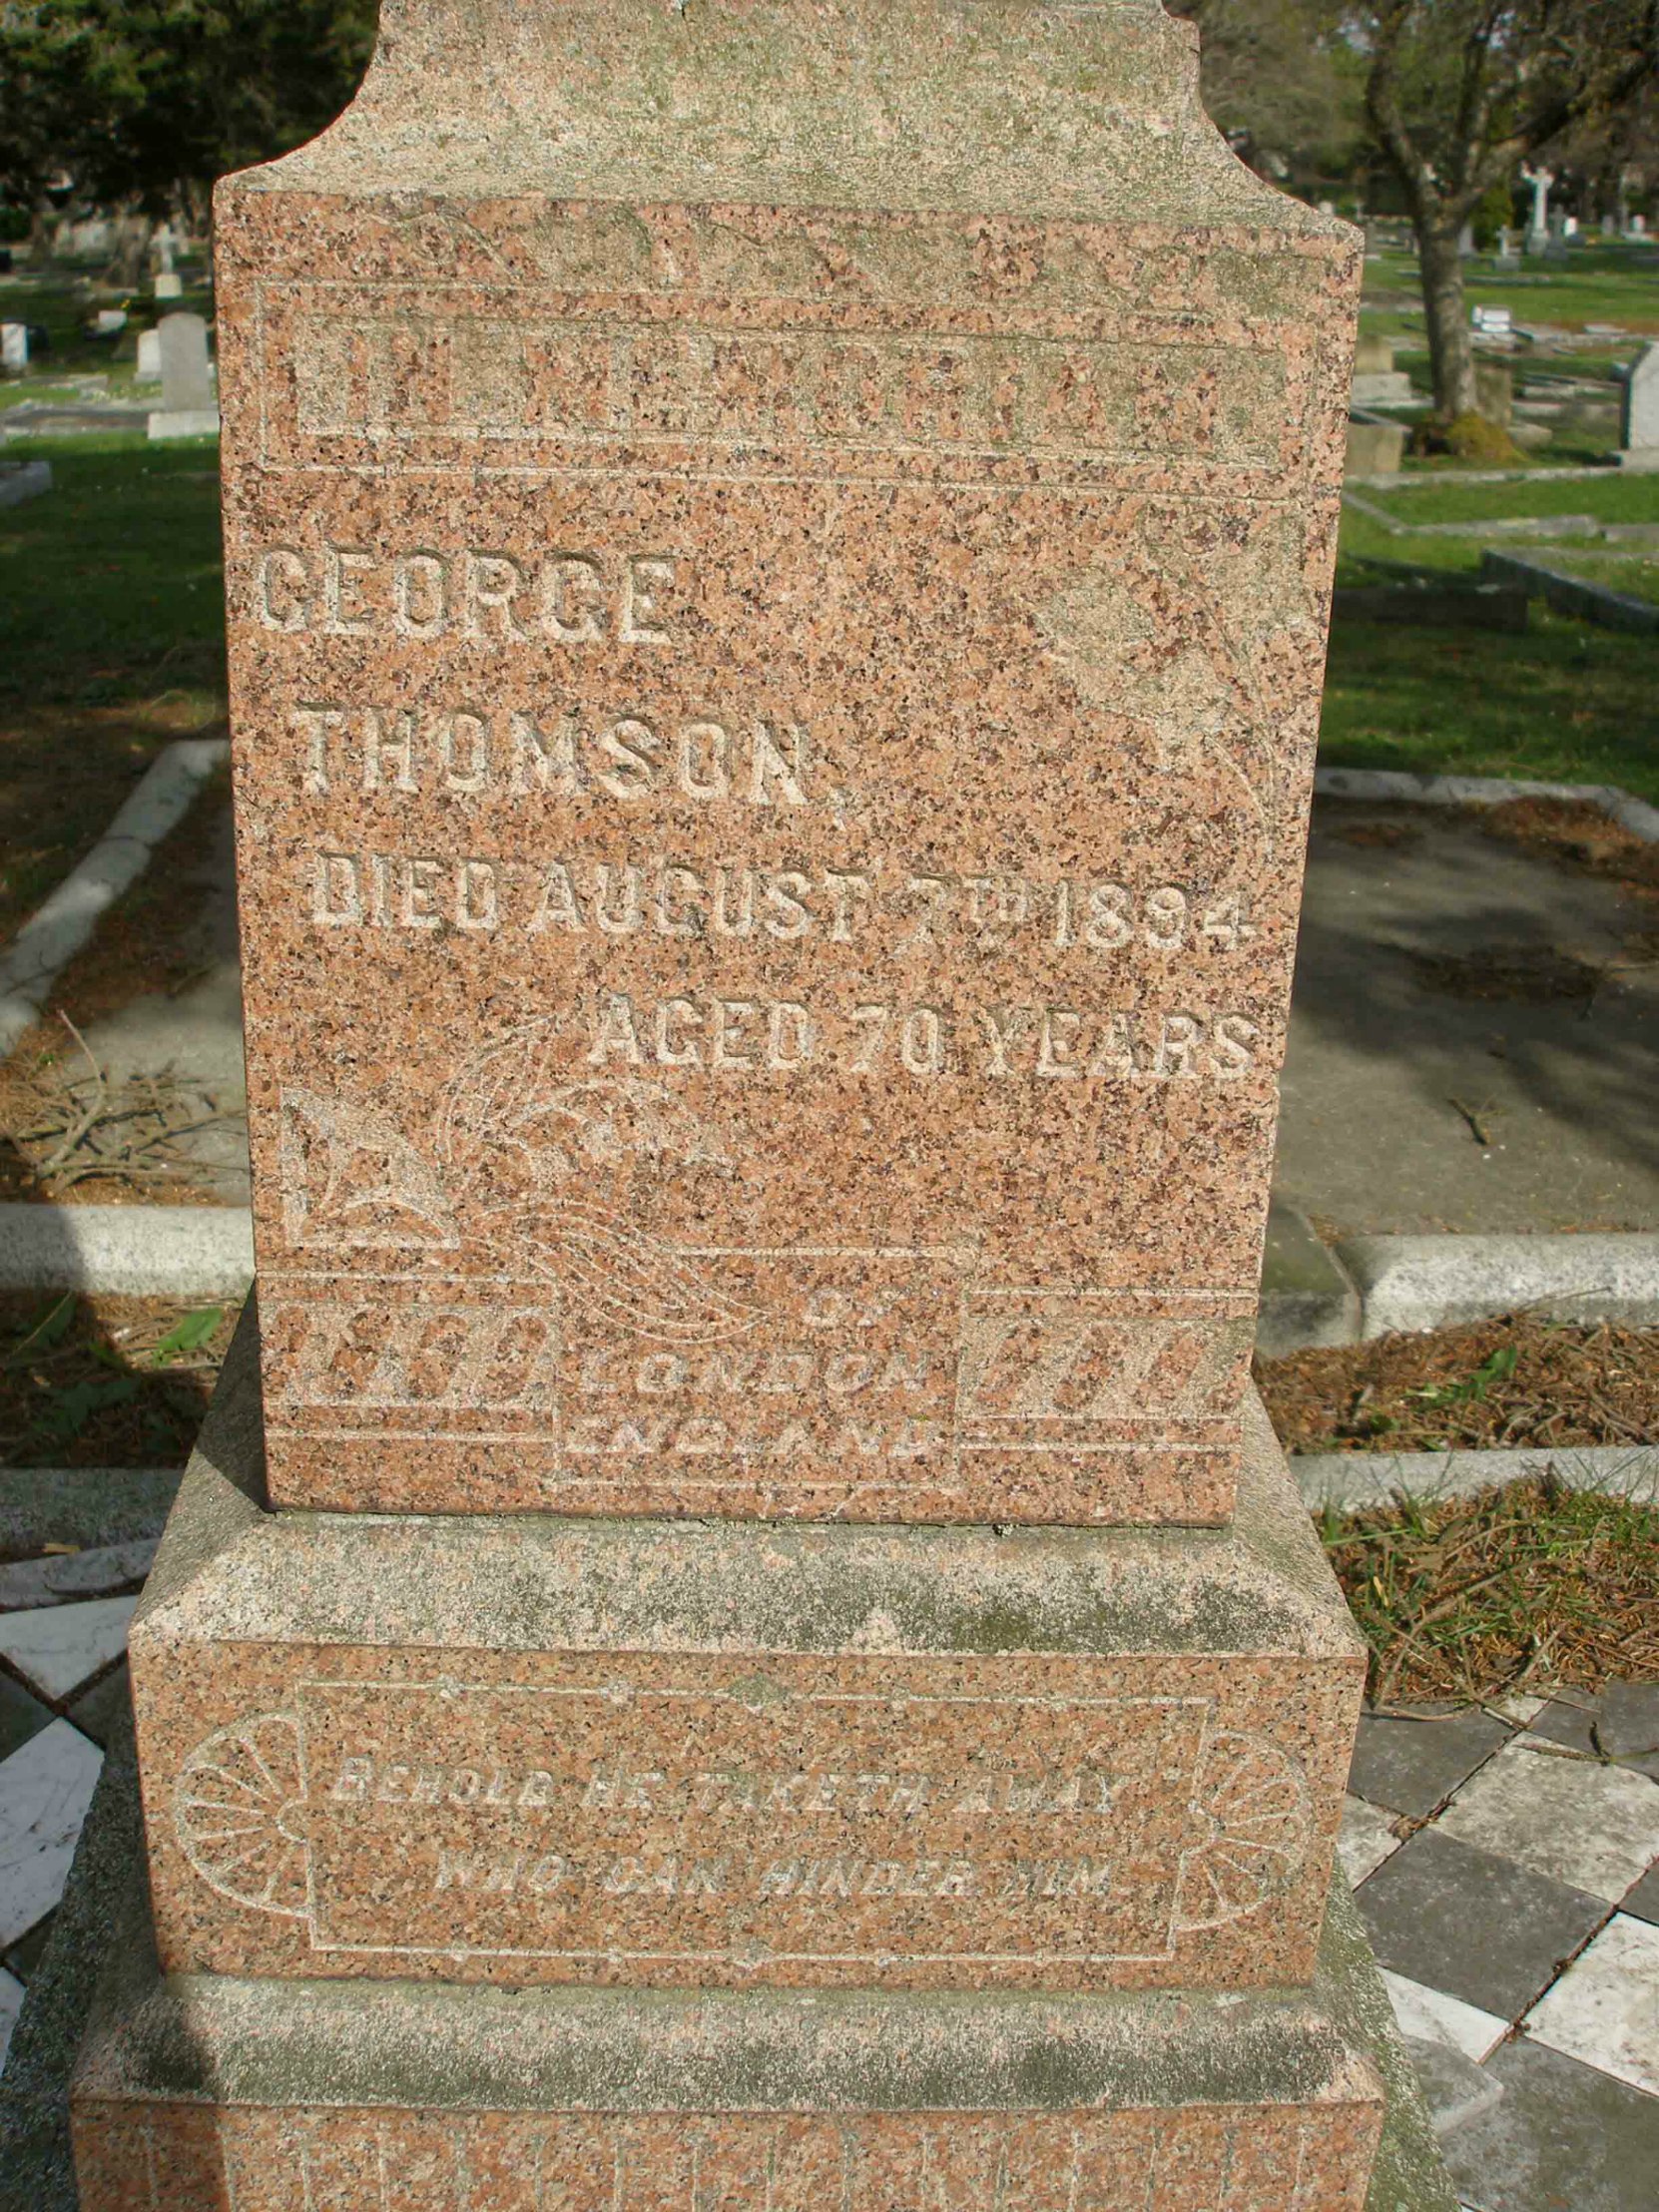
(184, 422)
(1643, 459)
(530, 1749)
(202, 2091)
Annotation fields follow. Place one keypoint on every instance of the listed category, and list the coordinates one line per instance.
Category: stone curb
(1572, 595)
(130, 1250)
(1349, 1480)
(1417, 1283)
(56, 932)
(1387, 785)
(1421, 479)
(1315, 1294)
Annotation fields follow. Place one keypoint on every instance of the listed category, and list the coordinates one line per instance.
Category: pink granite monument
(737, 1634)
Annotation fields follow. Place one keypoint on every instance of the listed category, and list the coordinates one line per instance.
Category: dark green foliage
(146, 102)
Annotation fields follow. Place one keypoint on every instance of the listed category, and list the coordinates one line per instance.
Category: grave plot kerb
(779, 562)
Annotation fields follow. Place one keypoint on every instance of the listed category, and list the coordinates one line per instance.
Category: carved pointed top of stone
(1085, 110)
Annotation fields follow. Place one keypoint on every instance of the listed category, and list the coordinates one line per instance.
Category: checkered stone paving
(1506, 1863)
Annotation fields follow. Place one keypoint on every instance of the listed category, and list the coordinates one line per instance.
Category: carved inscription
(851, 1375)
(770, 1822)
(478, 595)
(602, 380)
(1198, 2159)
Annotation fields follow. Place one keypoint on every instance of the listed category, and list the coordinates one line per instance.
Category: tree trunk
(1450, 348)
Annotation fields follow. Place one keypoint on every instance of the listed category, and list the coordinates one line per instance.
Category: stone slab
(531, 1750)
(45, 1789)
(1604, 2010)
(181, 422)
(57, 1648)
(132, 1250)
(85, 1506)
(806, 1045)
(1412, 1765)
(1478, 1926)
(1306, 1297)
(56, 932)
(1561, 2134)
(1593, 1827)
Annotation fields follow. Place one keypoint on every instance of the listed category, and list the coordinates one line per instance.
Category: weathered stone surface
(545, 1750)
(207, 2091)
(778, 563)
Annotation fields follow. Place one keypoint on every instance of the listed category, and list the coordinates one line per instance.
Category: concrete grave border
(56, 932)
(1572, 595)
(127, 1251)
(1351, 1481)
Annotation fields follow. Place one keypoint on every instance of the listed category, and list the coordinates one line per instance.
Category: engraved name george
(478, 595)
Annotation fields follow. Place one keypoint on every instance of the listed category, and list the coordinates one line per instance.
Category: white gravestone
(189, 408)
(1639, 428)
(14, 347)
(149, 356)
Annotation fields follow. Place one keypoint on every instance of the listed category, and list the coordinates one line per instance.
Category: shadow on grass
(1561, 703)
(105, 1381)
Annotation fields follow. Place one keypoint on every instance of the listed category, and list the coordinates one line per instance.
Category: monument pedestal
(207, 2091)
(531, 1750)
(964, 1772)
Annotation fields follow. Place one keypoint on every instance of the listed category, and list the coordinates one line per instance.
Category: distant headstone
(149, 356)
(1638, 226)
(1639, 426)
(1538, 228)
(1494, 387)
(14, 347)
(169, 284)
(109, 323)
(1509, 248)
(1494, 322)
(1465, 241)
(189, 407)
(184, 351)
(1376, 381)
(1375, 448)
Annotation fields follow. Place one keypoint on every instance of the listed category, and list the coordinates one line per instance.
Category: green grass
(1596, 283)
(1614, 497)
(111, 582)
(1563, 702)
(112, 641)
(1635, 578)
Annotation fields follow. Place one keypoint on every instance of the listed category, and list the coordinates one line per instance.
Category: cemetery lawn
(54, 305)
(113, 641)
(1564, 702)
(1595, 283)
(1609, 497)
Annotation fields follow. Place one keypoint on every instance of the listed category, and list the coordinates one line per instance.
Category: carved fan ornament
(239, 1809)
(1249, 1807)
(515, 1154)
